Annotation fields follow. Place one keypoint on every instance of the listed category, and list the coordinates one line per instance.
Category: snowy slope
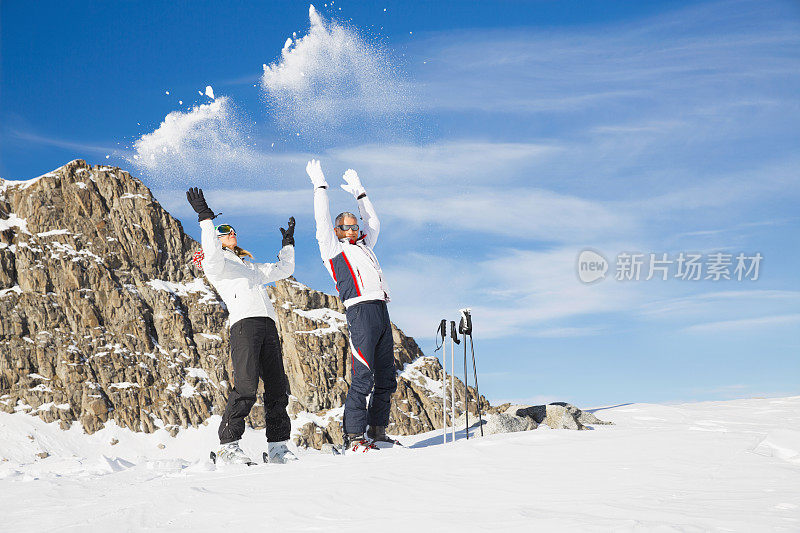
(713, 466)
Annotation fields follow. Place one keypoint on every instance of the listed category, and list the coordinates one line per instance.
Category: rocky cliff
(104, 318)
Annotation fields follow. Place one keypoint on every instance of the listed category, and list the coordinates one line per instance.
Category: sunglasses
(225, 229)
(346, 227)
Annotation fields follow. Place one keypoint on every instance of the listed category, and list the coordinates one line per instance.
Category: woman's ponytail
(240, 252)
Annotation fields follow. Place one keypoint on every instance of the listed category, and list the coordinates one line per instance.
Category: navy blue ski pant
(372, 357)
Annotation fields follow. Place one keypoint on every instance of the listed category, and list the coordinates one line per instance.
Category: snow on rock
(22, 184)
(52, 405)
(187, 391)
(196, 373)
(13, 221)
(124, 385)
(53, 232)
(15, 290)
(65, 248)
(411, 372)
(198, 285)
(334, 320)
(505, 423)
(128, 196)
(315, 429)
(297, 285)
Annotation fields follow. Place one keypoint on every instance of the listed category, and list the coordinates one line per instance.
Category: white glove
(353, 183)
(314, 171)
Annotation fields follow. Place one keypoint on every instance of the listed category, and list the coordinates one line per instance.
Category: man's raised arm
(326, 238)
(368, 215)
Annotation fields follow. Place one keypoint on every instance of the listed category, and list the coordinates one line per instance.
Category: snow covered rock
(558, 415)
(505, 423)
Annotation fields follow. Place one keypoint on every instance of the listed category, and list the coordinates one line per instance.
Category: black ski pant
(256, 352)
(372, 357)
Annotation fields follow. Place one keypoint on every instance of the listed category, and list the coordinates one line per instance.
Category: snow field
(712, 466)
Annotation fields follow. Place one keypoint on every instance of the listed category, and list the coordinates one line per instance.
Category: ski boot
(378, 436)
(278, 453)
(231, 453)
(357, 442)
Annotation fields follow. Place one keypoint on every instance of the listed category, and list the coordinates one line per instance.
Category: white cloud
(669, 60)
(241, 201)
(537, 294)
(78, 147)
(721, 304)
(746, 325)
(523, 213)
(453, 162)
(518, 292)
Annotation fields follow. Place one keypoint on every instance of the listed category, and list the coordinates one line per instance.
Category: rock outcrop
(557, 415)
(104, 318)
(507, 423)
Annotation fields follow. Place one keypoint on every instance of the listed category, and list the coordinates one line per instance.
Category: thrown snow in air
(210, 91)
(202, 143)
(328, 76)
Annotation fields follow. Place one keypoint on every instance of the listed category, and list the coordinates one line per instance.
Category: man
(255, 345)
(349, 258)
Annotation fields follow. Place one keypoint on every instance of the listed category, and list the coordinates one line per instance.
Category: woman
(255, 346)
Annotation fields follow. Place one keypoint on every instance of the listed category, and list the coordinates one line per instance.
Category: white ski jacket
(352, 264)
(242, 283)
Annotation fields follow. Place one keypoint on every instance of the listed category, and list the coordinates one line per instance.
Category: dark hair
(341, 216)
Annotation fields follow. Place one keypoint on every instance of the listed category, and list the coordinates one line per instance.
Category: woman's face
(228, 240)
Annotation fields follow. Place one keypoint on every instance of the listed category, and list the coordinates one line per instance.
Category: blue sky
(497, 140)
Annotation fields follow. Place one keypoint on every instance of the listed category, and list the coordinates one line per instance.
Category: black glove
(198, 201)
(288, 234)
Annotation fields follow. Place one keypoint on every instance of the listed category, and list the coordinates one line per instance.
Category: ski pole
(454, 337)
(442, 332)
(453, 389)
(477, 390)
(466, 394)
(465, 328)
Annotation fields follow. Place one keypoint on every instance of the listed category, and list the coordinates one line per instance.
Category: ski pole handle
(453, 332)
(465, 325)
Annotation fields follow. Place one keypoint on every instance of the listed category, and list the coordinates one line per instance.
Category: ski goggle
(347, 227)
(225, 229)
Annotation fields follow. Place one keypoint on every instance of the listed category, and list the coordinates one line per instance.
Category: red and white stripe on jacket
(352, 264)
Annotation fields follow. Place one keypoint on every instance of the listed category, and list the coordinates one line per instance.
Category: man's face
(228, 240)
(350, 234)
